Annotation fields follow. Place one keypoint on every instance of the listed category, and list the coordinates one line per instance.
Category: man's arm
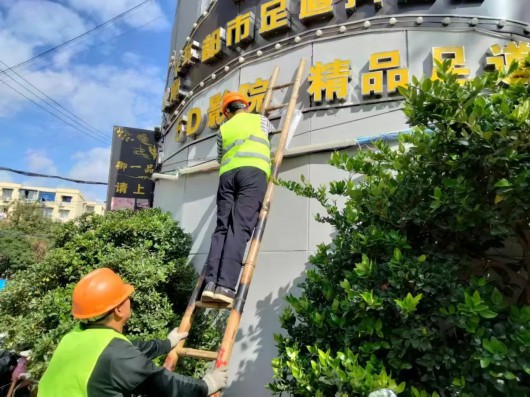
(130, 371)
(219, 147)
(153, 349)
(266, 127)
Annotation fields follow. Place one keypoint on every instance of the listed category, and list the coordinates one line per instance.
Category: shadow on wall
(263, 350)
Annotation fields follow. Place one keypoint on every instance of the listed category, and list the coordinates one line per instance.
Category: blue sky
(114, 76)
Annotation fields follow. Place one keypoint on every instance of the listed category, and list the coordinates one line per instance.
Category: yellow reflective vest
(245, 144)
(74, 361)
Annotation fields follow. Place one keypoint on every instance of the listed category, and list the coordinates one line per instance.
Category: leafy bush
(147, 248)
(425, 287)
(24, 237)
(15, 251)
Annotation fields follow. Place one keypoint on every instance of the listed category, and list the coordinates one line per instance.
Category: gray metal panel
(288, 214)
(277, 274)
(202, 151)
(199, 209)
(355, 122)
(169, 196)
(175, 160)
(320, 172)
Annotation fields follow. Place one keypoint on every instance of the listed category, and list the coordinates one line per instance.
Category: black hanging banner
(132, 163)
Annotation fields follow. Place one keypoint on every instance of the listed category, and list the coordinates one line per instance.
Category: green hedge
(424, 288)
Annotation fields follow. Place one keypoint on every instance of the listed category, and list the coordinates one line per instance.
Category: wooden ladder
(222, 357)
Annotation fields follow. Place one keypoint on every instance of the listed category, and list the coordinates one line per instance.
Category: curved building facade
(359, 53)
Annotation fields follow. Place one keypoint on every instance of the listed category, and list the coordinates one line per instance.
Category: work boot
(225, 295)
(208, 292)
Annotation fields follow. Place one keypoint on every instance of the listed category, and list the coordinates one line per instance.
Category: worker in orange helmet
(96, 360)
(244, 155)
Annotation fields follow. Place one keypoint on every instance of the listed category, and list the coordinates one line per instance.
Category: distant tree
(29, 218)
(16, 251)
(24, 236)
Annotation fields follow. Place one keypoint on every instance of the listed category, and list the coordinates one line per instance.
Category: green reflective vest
(245, 144)
(73, 362)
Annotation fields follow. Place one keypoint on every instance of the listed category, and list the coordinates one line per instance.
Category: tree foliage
(29, 218)
(24, 237)
(147, 248)
(425, 287)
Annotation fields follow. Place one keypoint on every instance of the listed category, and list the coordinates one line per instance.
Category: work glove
(382, 393)
(216, 379)
(175, 337)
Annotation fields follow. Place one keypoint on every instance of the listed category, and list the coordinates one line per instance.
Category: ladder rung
(213, 305)
(276, 107)
(195, 353)
(280, 86)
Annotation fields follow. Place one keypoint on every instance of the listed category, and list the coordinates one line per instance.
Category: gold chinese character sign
(275, 17)
(240, 30)
(380, 64)
(331, 79)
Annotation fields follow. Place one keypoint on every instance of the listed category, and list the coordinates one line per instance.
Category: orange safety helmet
(99, 292)
(233, 97)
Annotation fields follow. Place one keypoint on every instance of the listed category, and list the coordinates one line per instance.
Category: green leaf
(488, 314)
(496, 297)
(503, 183)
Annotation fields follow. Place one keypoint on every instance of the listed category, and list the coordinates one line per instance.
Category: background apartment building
(58, 204)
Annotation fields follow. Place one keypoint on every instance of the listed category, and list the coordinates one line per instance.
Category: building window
(63, 215)
(7, 194)
(66, 199)
(46, 196)
(29, 195)
(89, 209)
(47, 212)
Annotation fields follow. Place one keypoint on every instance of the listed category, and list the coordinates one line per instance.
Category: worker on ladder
(96, 360)
(244, 156)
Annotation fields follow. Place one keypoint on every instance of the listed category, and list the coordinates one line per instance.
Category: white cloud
(104, 10)
(92, 165)
(105, 95)
(38, 161)
(50, 24)
(13, 49)
(130, 58)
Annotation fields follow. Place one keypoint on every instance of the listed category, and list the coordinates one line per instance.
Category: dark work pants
(239, 198)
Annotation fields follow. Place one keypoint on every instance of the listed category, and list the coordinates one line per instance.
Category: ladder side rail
(268, 96)
(185, 323)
